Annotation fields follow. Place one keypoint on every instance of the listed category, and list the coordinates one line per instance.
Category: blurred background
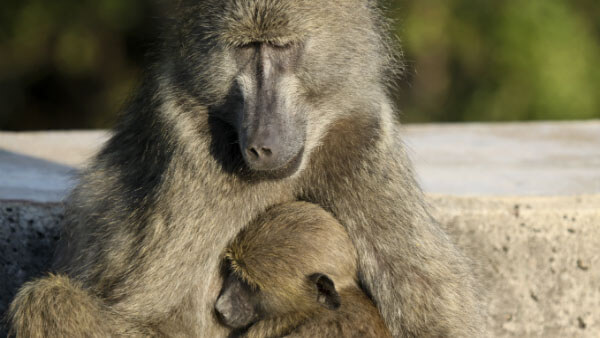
(68, 64)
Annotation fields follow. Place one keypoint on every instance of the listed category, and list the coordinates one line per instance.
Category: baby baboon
(247, 104)
(293, 272)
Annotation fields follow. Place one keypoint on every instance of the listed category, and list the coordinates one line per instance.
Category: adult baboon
(293, 272)
(248, 104)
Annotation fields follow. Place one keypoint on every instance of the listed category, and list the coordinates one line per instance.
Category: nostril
(266, 151)
(258, 153)
(252, 152)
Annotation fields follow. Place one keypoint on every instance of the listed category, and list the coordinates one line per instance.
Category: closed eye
(273, 45)
(251, 45)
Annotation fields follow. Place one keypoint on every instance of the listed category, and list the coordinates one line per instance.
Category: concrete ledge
(539, 260)
(539, 257)
(511, 159)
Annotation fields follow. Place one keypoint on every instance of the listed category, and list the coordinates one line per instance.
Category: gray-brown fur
(277, 257)
(146, 225)
(58, 306)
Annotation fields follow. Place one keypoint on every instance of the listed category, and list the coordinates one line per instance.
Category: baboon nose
(262, 156)
(268, 153)
(258, 153)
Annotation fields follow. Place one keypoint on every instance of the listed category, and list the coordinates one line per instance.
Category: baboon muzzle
(268, 147)
(271, 132)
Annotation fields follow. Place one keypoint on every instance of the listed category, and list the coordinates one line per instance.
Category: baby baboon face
(240, 304)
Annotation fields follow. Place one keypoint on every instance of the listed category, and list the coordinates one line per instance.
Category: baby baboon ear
(326, 293)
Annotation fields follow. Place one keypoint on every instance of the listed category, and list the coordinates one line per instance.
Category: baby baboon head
(241, 304)
(290, 262)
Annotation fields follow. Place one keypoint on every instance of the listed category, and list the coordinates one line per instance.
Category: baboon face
(239, 304)
(271, 121)
(279, 72)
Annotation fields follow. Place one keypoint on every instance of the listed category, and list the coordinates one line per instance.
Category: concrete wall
(538, 259)
(522, 200)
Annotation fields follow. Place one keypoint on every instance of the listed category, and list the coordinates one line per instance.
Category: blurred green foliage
(71, 64)
(500, 60)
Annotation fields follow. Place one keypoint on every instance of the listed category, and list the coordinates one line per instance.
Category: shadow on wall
(28, 236)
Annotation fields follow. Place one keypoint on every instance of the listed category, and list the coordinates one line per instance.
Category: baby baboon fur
(247, 104)
(296, 268)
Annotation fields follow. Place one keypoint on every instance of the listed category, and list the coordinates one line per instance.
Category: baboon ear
(326, 292)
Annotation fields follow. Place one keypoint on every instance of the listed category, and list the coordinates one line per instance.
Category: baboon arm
(146, 267)
(419, 281)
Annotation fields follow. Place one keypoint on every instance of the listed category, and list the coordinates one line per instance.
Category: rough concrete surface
(539, 260)
(28, 236)
(538, 257)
